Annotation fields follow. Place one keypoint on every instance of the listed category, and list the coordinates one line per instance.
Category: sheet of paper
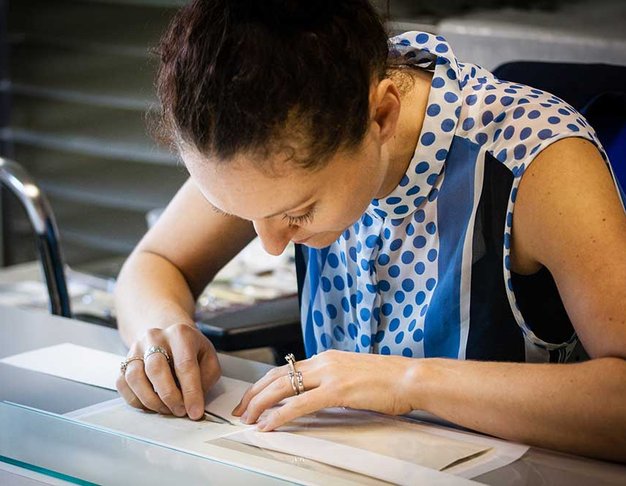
(362, 461)
(501, 454)
(72, 362)
(224, 396)
(385, 436)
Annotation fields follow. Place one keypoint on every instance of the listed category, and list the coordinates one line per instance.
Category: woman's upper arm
(569, 218)
(195, 238)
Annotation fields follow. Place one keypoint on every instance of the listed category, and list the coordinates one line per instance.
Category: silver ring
(291, 361)
(295, 376)
(156, 349)
(124, 364)
(294, 384)
(299, 382)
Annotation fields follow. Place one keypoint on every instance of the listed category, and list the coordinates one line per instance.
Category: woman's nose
(274, 235)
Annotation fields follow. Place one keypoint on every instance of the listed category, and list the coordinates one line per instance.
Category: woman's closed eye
(300, 220)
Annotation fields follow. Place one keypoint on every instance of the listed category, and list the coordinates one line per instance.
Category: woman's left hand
(332, 379)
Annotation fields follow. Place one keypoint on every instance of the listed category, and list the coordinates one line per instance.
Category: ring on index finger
(124, 364)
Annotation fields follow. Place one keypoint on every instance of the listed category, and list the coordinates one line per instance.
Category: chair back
(597, 91)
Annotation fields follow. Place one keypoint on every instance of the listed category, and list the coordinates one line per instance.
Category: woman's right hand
(176, 387)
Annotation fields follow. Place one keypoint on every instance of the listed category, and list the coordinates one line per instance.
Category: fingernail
(196, 412)
(244, 418)
(261, 426)
(164, 411)
(180, 411)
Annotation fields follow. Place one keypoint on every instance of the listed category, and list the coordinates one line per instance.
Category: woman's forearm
(151, 292)
(578, 408)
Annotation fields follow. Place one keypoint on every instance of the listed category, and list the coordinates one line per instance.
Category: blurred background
(76, 82)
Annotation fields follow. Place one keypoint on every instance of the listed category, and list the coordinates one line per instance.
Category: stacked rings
(149, 352)
(295, 376)
(299, 382)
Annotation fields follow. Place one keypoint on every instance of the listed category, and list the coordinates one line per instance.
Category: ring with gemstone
(292, 380)
(291, 361)
(156, 349)
(124, 364)
(299, 382)
(295, 380)
(295, 376)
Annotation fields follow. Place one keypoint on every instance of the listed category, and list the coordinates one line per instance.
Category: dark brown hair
(245, 76)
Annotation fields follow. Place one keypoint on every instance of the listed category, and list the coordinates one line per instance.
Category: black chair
(274, 323)
(598, 91)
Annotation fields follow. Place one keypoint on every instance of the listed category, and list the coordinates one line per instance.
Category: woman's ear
(385, 104)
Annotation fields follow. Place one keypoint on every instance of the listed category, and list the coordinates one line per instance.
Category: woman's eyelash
(299, 220)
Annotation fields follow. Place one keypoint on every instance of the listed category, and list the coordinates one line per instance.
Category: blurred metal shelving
(81, 75)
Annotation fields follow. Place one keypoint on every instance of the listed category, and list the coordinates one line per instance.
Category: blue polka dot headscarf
(397, 281)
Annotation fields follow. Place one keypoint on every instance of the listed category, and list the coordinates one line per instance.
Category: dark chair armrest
(274, 323)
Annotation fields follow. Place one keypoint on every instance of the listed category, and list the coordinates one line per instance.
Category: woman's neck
(414, 84)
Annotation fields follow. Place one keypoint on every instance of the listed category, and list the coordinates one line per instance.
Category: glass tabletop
(64, 449)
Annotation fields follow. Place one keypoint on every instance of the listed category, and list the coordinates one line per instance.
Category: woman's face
(291, 203)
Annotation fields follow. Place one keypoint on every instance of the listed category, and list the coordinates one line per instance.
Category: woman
(447, 216)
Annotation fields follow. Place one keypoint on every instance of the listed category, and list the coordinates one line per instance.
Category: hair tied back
(284, 14)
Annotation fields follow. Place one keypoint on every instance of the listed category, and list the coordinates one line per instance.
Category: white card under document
(72, 362)
(224, 396)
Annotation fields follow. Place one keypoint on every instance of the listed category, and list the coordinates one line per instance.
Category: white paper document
(358, 432)
(72, 362)
(354, 446)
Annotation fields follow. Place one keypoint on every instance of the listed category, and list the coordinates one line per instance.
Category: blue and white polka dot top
(425, 271)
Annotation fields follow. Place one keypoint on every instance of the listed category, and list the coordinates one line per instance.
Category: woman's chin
(321, 240)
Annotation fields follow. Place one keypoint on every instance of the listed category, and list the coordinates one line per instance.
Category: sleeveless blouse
(425, 271)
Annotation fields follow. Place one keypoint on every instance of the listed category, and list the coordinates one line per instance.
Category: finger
(188, 374)
(298, 406)
(271, 395)
(142, 388)
(159, 373)
(127, 393)
(269, 377)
